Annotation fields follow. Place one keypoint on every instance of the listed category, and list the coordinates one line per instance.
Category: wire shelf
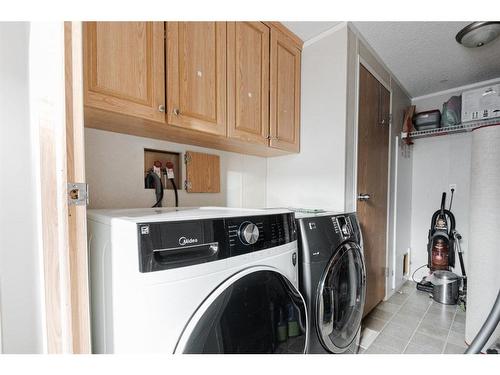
(467, 127)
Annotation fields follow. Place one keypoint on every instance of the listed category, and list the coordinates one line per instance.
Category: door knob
(363, 197)
(161, 108)
(176, 111)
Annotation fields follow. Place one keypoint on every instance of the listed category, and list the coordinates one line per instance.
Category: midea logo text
(186, 241)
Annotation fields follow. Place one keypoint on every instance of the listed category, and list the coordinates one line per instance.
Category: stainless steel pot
(446, 286)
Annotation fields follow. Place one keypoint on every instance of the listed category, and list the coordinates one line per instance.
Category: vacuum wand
(458, 237)
(443, 202)
(451, 199)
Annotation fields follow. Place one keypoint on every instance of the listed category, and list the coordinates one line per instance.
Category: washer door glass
(341, 298)
(255, 311)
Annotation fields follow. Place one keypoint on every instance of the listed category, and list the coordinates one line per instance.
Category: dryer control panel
(342, 225)
(320, 236)
(166, 245)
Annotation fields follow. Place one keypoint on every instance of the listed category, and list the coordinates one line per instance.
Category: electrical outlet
(454, 187)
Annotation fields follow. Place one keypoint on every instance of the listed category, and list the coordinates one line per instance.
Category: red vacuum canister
(440, 246)
(439, 256)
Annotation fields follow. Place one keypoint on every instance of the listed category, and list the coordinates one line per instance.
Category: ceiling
(423, 56)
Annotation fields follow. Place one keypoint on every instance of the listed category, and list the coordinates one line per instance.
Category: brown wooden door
(248, 81)
(373, 153)
(285, 93)
(196, 79)
(125, 68)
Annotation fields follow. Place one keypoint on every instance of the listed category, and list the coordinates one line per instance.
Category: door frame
(361, 61)
(59, 113)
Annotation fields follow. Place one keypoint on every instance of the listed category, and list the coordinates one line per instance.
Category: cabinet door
(196, 79)
(125, 68)
(285, 93)
(248, 81)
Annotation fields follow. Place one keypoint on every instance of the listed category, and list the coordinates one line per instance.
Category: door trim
(59, 113)
(218, 290)
(77, 215)
(361, 61)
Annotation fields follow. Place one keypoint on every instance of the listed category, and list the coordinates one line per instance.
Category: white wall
(115, 174)
(437, 163)
(315, 178)
(323, 174)
(20, 305)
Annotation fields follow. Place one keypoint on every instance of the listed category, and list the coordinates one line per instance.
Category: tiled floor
(411, 322)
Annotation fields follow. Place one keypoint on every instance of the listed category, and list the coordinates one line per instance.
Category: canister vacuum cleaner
(443, 240)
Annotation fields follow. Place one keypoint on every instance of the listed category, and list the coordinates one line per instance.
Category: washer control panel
(259, 233)
(165, 245)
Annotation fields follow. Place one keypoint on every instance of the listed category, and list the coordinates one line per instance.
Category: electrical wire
(414, 272)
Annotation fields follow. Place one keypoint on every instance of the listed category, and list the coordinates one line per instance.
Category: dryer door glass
(341, 297)
(256, 311)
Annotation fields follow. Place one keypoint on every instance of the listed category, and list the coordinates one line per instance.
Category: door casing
(63, 227)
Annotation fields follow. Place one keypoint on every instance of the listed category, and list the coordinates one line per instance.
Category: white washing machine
(200, 280)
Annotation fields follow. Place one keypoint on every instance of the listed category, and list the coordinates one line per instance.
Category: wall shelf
(467, 127)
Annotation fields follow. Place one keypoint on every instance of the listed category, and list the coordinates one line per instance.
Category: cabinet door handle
(176, 111)
(161, 108)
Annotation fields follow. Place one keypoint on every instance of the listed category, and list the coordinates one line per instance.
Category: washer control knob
(249, 233)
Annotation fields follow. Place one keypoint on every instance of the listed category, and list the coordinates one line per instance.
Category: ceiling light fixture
(477, 34)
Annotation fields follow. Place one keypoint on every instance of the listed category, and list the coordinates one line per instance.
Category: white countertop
(140, 215)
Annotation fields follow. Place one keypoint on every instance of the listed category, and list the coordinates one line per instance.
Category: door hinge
(187, 158)
(390, 118)
(187, 185)
(78, 194)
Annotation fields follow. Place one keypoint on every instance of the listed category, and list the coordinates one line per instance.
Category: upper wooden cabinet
(233, 86)
(285, 93)
(196, 79)
(248, 81)
(124, 68)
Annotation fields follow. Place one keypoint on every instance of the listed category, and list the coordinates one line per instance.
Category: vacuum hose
(486, 330)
